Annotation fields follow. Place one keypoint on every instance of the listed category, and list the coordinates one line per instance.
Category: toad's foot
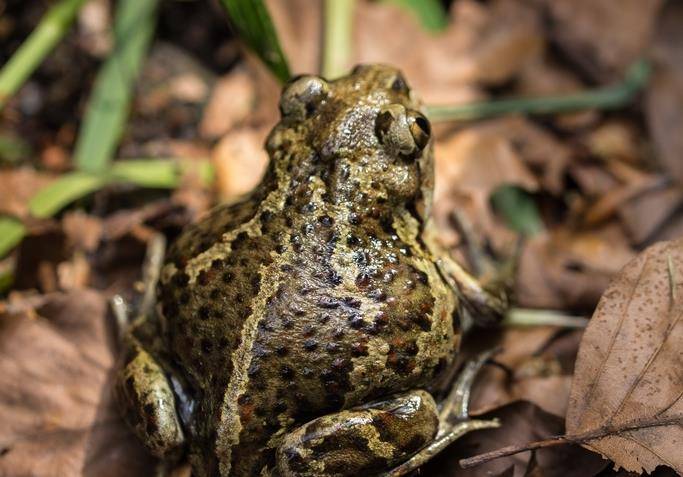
(454, 420)
(151, 269)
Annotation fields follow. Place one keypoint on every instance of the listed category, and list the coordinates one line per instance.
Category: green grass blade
(160, 173)
(605, 98)
(51, 29)
(255, 27)
(109, 103)
(430, 13)
(150, 173)
(11, 233)
(68, 188)
(518, 209)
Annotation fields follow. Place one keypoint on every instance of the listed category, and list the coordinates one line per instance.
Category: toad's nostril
(383, 124)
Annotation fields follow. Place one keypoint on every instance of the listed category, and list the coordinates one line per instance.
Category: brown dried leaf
(17, 186)
(602, 36)
(485, 44)
(566, 269)
(630, 361)
(231, 101)
(521, 421)
(55, 402)
(240, 161)
(643, 215)
(537, 368)
(475, 161)
(664, 98)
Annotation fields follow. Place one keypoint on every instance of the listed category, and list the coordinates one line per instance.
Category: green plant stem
(11, 233)
(337, 42)
(151, 173)
(109, 103)
(53, 26)
(603, 98)
(530, 317)
(256, 29)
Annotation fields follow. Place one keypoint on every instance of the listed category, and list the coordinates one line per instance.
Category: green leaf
(430, 13)
(255, 27)
(11, 233)
(109, 103)
(13, 148)
(68, 188)
(160, 173)
(51, 29)
(151, 173)
(518, 209)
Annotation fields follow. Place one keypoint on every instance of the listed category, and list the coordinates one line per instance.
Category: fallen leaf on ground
(602, 39)
(17, 186)
(629, 365)
(664, 96)
(615, 140)
(470, 165)
(230, 103)
(520, 421)
(55, 402)
(570, 270)
(483, 44)
(535, 365)
(646, 213)
(239, 160)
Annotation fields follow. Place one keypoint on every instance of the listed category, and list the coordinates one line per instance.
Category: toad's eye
(399, 84)
(402, 132)
(302, 96)
(420, 128)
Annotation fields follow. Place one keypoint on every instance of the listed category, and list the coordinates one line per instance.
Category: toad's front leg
(144, 393)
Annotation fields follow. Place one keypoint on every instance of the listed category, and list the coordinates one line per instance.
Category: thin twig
(338, 22)
(602, 98)
(531, 317)
(672, 277)
(52, 27)
(598, 433)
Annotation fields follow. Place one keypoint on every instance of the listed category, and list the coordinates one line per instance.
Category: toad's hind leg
(366, 440)
(454, 420)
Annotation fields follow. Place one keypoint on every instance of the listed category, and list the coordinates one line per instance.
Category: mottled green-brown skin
(313, 295)
(367, 440)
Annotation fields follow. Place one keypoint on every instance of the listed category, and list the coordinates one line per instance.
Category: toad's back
(313, 295)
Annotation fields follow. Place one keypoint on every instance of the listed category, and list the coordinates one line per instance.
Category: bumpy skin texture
(362, 441)
(315, 294)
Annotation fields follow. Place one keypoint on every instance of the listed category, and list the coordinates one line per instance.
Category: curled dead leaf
(630, 362)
